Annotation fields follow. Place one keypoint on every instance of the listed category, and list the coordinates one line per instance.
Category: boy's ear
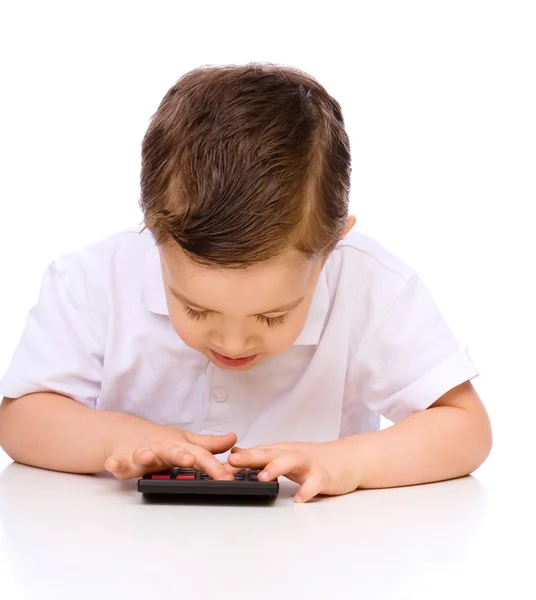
(139, 202)
(350, 222)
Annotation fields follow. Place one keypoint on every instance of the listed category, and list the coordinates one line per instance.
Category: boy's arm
(450, 439)
(55, 432)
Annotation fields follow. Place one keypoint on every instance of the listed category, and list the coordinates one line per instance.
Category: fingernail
(187, 456)
(263, 475)
(237, 457)
(298, 498)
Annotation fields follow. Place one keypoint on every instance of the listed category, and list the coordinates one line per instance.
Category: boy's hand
(152, 448)
(320, 468)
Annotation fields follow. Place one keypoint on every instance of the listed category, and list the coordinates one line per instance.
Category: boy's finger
(196, 457)
(208, 463)
(145, 457)
(236, 449)
(146, 460)
(116, 464)
(213, 443)
(120, 467)
(287, 462)
(254, 457)
(232, 470)
(313, 485)
(111, 464)
(175, 456)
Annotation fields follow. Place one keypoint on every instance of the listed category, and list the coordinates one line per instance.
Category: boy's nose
(234, 346)
(234, 351)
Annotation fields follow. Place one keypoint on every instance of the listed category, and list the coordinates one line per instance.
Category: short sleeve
(411, 358)
(59, 350)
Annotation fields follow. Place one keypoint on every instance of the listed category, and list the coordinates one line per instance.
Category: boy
(246, 308)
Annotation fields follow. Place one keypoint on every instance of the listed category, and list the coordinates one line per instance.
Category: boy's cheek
(188, 334)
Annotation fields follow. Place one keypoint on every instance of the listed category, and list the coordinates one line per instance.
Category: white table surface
(75, 536)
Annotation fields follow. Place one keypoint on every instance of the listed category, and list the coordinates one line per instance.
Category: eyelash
(201, 315)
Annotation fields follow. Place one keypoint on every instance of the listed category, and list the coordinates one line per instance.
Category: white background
(439, 100)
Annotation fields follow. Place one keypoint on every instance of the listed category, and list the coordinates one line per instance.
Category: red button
(160, 477)
(185, 477)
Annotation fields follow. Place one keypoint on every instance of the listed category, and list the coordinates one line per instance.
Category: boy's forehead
(283, 278)
(290, 262)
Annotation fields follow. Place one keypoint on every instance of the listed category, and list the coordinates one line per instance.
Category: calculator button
(186, 477)
(253, 478)
(238, 478)
(182, 472)
(160, 476)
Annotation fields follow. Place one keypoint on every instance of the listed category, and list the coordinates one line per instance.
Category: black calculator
(182, 481)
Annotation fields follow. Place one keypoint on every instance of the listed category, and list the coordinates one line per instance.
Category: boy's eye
(272, 321)
(200, 315)
(197, 315)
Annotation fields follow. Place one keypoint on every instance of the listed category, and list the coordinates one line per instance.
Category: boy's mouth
(234, 362)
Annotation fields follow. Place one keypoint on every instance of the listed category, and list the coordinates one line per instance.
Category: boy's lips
(234, 362)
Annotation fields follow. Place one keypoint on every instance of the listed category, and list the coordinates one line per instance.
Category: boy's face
(239, 317)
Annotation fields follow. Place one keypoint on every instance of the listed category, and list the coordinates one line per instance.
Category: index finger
(206, 461)
(258, 456)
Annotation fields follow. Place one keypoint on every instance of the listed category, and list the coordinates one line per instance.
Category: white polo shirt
(374, 343)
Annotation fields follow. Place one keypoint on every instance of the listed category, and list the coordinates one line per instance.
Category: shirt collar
(154, 294)
(155, 299)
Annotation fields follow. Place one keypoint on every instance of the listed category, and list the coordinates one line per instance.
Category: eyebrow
(284, 308)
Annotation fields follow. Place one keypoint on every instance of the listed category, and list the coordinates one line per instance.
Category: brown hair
(240, 163)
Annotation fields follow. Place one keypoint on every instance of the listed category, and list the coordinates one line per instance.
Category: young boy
(244, 310)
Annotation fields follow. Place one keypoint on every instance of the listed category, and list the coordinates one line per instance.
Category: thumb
(213, 443)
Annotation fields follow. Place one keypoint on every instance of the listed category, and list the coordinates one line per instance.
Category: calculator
(182, 481)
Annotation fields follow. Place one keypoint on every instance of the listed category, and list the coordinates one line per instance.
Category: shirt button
(219, 395)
